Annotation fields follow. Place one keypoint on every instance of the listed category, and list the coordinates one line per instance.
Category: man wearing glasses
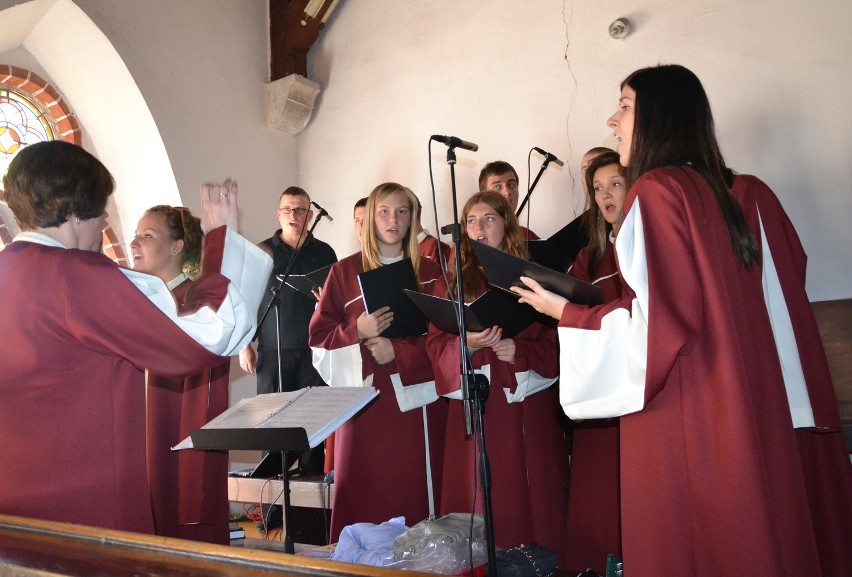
(297, 371)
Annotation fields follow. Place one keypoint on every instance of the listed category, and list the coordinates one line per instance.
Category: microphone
(454, 142)
(548, 157)
(322, 211)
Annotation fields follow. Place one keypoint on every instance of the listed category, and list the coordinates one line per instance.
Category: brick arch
(112, 247)
(65, 127)
(46, 97)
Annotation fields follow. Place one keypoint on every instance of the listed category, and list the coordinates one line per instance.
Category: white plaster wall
(511, 75)
(201, 66)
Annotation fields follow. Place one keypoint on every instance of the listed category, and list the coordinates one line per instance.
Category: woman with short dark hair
(78, 332)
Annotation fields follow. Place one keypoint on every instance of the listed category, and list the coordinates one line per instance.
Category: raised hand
(219, 205)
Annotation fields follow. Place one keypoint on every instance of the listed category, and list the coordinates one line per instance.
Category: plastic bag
(526, 561)
(441, 545)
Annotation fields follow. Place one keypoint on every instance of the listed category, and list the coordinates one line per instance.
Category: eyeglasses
(297, 211)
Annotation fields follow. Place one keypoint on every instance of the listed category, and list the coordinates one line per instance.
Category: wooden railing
(30, 548)
(835, 326)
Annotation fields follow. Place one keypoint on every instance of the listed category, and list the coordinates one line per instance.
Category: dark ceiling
(294, 25)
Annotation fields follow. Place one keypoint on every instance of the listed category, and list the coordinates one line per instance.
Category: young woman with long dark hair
(711, 481)
(593, 529)
(525, 441)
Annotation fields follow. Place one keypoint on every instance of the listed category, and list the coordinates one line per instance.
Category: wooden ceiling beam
(294, 25)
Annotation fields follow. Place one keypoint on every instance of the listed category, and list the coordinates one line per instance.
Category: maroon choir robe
(524, 438)
(527, 234)
(379, 455)
(430, 247)
(78, 334)
(189, 489)
(711, 482)
(593, 530)
(823, 452)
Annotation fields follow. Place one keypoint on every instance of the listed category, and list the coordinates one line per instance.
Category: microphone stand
(532, 186)
(275, 301)
(475, 387)
(276, 296)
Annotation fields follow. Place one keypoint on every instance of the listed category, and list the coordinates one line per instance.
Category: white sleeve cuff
(614, 385)
(529, 383)
(340, 367)
(413, 396)
(229, 329)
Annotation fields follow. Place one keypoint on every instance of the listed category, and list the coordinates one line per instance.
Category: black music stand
(275, 302)
(279, 439)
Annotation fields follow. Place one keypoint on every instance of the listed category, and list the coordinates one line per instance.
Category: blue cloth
(368, 544)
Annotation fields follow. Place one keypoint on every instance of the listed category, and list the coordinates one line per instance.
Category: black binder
(544, 253)
(494, 308)
(504, 271)
(384, 286)
(570, 239)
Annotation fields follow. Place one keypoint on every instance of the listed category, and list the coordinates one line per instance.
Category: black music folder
(306, 283)
(383, 287)
(544, 253)
(493, 308)
(504, 271)
(570, 239)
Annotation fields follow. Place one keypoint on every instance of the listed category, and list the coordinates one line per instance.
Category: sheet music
(323, 411)
(319, 410)
(252, 412)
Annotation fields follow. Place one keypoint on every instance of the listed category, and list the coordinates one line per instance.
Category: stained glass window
(21, 123)
(31, 111)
